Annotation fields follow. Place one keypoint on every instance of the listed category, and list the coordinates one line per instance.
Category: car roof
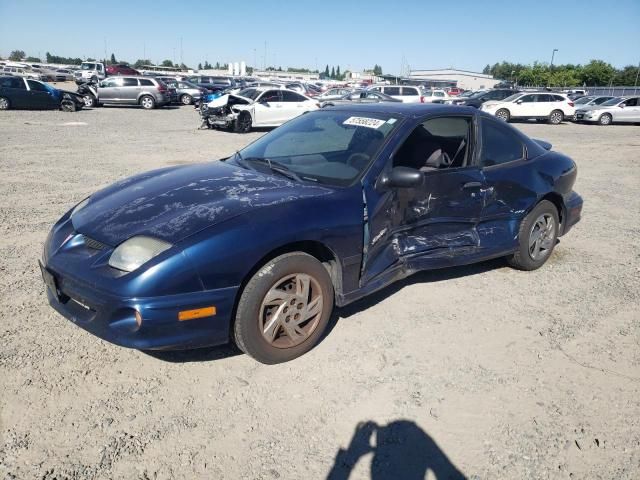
(411, 110)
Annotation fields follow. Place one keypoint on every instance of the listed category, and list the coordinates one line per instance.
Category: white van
(406, 93)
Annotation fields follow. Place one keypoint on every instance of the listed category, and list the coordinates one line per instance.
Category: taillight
(162, 88)
(421, 99)
(571, 104)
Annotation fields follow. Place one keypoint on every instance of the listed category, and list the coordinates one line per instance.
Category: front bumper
(587, 116)
(113, 318)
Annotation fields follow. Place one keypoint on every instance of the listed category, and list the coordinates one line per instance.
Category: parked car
(212, 83)
(20, 72)
(148, 92)
(186, 92)
(121, 69)
(259, 247)
(482, 97)
(333, 94)
(615, 110)
(64, 75)
(454, 91)
(404, 93)
(26, 93)
(552, 107)
(90, 72)
(435, 96)
(361, 96)
(256, 107)
(581, 103)
(302, 88)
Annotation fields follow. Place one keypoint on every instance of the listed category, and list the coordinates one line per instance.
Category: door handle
(468, 185)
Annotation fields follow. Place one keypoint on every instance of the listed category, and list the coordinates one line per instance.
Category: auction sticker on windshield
(364, 122)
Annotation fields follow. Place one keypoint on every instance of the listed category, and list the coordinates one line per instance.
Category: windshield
(250, 93)
(511, 98)
(478, 94)
(613, 102)
(583, 100)
(88, 66)
(330, 147)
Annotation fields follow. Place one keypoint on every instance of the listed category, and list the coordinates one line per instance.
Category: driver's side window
(437, 144)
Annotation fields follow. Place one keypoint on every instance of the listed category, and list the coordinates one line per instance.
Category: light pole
(553, 54)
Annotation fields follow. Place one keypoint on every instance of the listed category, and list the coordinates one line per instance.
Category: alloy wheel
(556, 118)
(186, 99)
(502, 115)
(291, 310)
(542, 236)
(88, 101)
(4, 104)
(147, 102)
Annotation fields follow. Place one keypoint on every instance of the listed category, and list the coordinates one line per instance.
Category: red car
(453, 91)
(121, 70)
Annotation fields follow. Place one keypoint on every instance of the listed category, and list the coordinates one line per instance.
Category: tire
(243, 123)
(90, 101)
(186, 99)
(147, 102)
(5, 104)
(68, 106)
(503, 114)
(265, 323)
(541, 224)
(605, 119)
(556, 117)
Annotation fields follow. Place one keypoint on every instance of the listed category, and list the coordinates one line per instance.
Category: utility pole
(552, 56)
(144, 50)
(264, 67)
(635, 84)
(181, 62)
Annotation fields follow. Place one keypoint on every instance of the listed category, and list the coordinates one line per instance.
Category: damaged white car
(255, 107)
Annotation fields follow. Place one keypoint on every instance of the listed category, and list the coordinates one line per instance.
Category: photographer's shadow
(401, 450)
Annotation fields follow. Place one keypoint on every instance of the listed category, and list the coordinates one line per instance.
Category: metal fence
(612, 91)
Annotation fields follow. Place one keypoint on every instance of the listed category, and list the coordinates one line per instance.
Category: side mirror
(402, 177)
(621, 105)
(519, 102)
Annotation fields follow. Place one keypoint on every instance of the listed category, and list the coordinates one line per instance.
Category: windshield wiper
(277, 167)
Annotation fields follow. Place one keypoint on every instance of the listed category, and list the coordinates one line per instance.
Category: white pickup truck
(90, 72)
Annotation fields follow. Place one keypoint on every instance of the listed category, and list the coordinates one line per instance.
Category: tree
(597, 72)
(183, 67)
(113, 59)
(207, 65)
(326, 71)
(333, 72)
(141, 62)
(217, 65)
(199, 66)
(377, 70)
(166, 63)
(627, 76)
(33, 59)
(17, 55)
(338, 76)
(487, 69)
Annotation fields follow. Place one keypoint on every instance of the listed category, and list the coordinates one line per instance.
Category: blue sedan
(258, 248)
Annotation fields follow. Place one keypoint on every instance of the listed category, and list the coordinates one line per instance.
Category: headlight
(135, 252)
(79, 206)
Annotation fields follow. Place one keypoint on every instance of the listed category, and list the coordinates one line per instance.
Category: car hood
(591, 107)
(175, 202)
(223, 100)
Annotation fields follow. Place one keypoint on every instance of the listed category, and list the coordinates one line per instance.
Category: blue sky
(355, 35)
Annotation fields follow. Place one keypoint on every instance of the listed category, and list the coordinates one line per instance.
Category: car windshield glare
(330, 147)
(582, 100)
(613, 102)
(250, 93)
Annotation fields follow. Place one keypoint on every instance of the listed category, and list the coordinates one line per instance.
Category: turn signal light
(197, 313)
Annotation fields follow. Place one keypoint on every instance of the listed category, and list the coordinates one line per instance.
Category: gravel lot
(481, 370)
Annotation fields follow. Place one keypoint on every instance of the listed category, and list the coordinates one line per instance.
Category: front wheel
(556, 117)
(147, 102)
(243, 123)
(186, 99)
(4, 103)
(68, 106)
(90, 101)
(284, 308)
(605, 119)
(503, 114)
(537, 237)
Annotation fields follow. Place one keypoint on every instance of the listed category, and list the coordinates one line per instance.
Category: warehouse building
(452, 78)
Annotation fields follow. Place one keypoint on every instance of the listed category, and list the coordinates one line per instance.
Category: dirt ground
(482, 372)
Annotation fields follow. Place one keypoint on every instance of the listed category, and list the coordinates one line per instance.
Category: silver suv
(148, 92)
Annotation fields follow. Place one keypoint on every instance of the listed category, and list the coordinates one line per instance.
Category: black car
(25, 93)
(479, 98)
(212, 83)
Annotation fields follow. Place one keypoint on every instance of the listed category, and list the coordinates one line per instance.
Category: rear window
(409, 92)
(12, 82)
(145, 82)
(392, 90)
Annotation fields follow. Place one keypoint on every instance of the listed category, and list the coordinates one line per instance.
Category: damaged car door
(432, 223)
(269, 109)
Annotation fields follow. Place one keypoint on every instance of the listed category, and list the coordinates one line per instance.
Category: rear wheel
(4, 103)
(556, 117)
(186, 99)
(605, 119)
(68, 105)
(503, 114)
(147, 102)
(243, 123)
(284, 308)
(537, 237)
